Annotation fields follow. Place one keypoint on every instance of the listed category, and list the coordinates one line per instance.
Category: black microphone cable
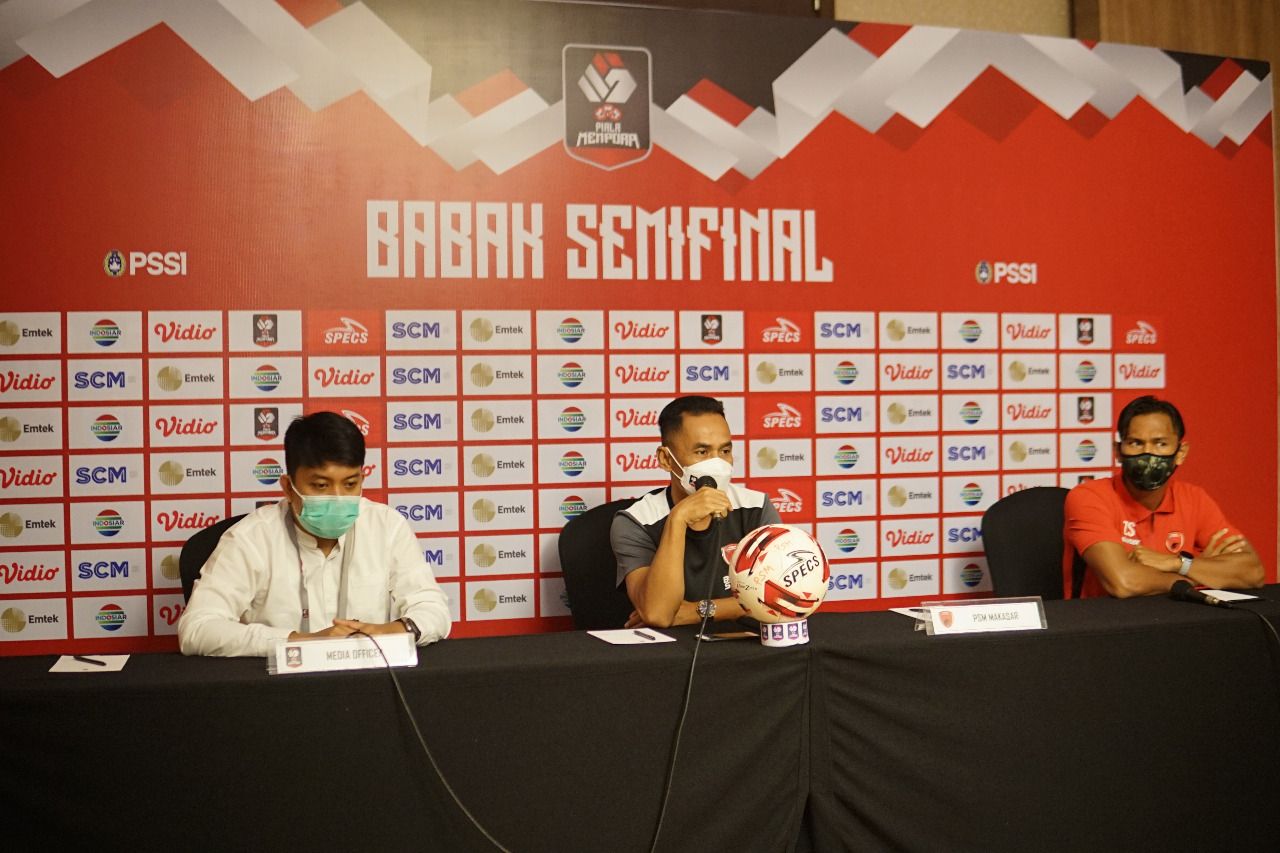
(1184, 591)
(422, 741)
(693, 665)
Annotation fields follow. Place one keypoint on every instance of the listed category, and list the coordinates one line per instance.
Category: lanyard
(348, 548)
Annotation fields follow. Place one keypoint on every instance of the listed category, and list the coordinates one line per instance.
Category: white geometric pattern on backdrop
(258, 47)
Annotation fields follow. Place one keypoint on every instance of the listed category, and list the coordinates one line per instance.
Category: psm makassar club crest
(606, 104)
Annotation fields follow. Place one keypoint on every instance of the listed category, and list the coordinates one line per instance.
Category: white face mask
(717, 468)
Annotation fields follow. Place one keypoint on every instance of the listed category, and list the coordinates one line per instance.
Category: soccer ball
(778, 573)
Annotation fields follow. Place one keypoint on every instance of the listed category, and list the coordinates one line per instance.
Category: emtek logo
(152, 263)
(1005, 272)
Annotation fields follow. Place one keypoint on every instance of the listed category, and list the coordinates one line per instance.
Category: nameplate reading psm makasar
(331, 655)
(985, 615)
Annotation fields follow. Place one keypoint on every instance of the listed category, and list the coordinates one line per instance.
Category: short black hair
(671, 419)
(322, 437)
(1149, 405)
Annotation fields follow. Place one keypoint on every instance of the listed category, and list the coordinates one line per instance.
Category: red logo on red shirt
(1174, 542)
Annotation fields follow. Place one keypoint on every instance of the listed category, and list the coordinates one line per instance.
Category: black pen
(93, 661)
(640, 633)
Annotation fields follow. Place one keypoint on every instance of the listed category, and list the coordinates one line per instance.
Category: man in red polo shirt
(1140, 532)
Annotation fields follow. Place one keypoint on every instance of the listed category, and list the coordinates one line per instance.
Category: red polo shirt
(1103, 511)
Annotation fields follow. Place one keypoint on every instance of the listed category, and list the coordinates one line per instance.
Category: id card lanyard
(347, 548)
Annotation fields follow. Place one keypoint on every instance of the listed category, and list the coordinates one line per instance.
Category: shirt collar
(1135, 509)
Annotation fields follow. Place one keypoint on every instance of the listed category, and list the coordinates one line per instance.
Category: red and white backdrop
(922, 267)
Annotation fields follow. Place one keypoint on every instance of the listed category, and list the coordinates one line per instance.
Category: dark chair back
(1022, 536)
(196, 550)
(591, 571)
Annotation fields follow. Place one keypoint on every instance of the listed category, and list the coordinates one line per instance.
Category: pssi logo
(1005, 272)
(606, 96)
(151, 263)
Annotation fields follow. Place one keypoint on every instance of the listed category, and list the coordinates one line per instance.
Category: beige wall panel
(1041, 17)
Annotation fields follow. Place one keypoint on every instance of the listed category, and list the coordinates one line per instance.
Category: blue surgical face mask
(327, 516)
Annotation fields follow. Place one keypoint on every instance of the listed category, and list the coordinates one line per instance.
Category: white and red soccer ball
(778, 573)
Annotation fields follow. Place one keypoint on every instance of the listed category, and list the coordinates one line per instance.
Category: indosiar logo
(846, 373)
(106, 428)
(847, 541)
(970, 331)
(572, 506)
(105, 333)
(111, 617)
(570, 330)
(266, 378)
(846, 456)
(108, 523)
(572, 464)
(572, 419)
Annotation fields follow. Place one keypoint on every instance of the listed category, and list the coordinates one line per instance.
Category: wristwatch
(1186, 563)
(411, 627)
(706, 609)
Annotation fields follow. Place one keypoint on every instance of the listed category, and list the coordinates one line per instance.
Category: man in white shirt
(323, 562)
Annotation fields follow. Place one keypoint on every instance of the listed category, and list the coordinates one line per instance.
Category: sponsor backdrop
(922, 267)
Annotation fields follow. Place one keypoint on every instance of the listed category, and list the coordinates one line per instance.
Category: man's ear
(1183, 449)
(664, 459)
(285, 487)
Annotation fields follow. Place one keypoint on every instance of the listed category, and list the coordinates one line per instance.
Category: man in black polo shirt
(667, 544)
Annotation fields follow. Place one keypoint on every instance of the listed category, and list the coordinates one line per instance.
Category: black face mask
(1147, 471)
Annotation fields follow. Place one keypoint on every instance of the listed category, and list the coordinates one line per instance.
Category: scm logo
(151, 263)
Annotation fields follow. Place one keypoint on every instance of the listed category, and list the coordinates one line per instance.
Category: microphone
(704, 480)
(1184, 591)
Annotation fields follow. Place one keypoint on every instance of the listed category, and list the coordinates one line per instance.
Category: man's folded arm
(1122, 576)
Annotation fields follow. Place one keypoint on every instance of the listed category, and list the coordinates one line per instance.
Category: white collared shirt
(249, 594)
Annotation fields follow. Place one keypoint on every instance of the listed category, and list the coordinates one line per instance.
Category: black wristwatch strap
(412, 627)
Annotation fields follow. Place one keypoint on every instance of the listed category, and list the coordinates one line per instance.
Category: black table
(1128, 725)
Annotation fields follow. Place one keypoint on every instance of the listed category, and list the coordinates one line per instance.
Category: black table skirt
(1128, 725)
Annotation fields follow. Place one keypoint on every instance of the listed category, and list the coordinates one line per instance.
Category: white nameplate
(330, 655)
(983, 615)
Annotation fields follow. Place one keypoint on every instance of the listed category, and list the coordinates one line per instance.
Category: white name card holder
(330, 655)
(983, 615)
